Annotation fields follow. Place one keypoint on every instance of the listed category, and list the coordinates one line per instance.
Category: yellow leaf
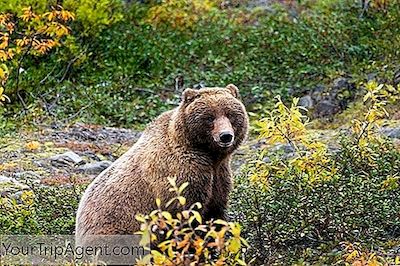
(197, 216)
(158, 202)
(182, 200)
(235, 229)
(32, 146)
(167, 215)
(234, 245)
(182, 187)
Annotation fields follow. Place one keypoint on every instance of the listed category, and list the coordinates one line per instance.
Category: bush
(42, 210)
(28, 34)
(183, 238)
(181, 14)
(94, 16)
(91, 16)
(305, 204)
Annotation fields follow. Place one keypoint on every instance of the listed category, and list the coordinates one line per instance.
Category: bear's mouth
(223, 143)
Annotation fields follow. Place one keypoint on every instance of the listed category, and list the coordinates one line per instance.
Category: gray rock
(6, 181)
(17, 196)
(326, 108)
(340, 83)
(372, 76)
(94, 168)
(27, 175)
(67, 158)
(396, 77)
(266, 159)
(258, 144)
(393, 133)
(284, 148)
(306, 101)
(288, 156)
(261, 4)
(199, 85)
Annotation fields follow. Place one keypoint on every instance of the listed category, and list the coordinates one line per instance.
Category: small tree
(28, 34)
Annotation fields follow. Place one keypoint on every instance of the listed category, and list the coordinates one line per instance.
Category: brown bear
(193, 143)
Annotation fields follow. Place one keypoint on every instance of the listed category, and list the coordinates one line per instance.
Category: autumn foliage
(185, 239)
(29, 34)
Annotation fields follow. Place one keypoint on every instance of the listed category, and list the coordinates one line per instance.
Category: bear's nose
(226, 137)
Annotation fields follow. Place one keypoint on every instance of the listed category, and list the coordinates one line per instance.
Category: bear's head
(213, 119)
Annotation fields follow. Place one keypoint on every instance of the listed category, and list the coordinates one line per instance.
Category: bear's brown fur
(193, 143)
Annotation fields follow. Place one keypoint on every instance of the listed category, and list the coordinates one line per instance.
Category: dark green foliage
(113, 76)
(293, 216)
(48, 210)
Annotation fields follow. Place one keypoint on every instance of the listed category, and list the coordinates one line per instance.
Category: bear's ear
(233, 90)
(189, 95)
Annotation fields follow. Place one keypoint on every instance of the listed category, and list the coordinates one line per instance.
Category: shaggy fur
(184, 143)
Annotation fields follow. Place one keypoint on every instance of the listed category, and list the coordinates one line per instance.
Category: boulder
(66, 158)
(94, 168)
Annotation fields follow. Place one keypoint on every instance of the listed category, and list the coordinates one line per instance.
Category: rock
(91, 155)
(318, 93)
(27, 175)
(288, 156)
(260, 4)
(284, 148)
(5, 179)
(199, 85)
(341, 83)
(372, 76)
(325, 101)
(67, 158)
(94, 168)
(17, 196)
(396, 77)
(90, 133)
(393, 133)
(6, 182)
(326, 108)
(266, 159)
(306, 102)
(257, 144)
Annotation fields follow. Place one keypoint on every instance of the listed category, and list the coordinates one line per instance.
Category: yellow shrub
(94, 16)
(184, 239)
(288, 125)
(179, 13)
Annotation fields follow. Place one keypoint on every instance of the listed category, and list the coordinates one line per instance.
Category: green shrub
(42, 210)
(94, 16)
(305, 204)
(292, 216)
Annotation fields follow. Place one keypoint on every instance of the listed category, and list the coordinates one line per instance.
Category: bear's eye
(209, 118)
(232, 115)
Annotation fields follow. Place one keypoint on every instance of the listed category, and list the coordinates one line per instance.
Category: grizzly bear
(193, 143)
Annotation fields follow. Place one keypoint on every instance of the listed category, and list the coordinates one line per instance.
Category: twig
(18, 73)
(48, 75)
(76, 114)
(70, 65)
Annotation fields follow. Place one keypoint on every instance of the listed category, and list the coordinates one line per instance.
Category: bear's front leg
(222, 185)
(198, 190)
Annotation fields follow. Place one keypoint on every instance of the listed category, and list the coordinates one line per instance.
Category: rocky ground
(72, 155)
(78, 153)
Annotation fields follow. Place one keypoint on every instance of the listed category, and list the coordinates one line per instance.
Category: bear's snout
(226, 137)
(223, 132)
